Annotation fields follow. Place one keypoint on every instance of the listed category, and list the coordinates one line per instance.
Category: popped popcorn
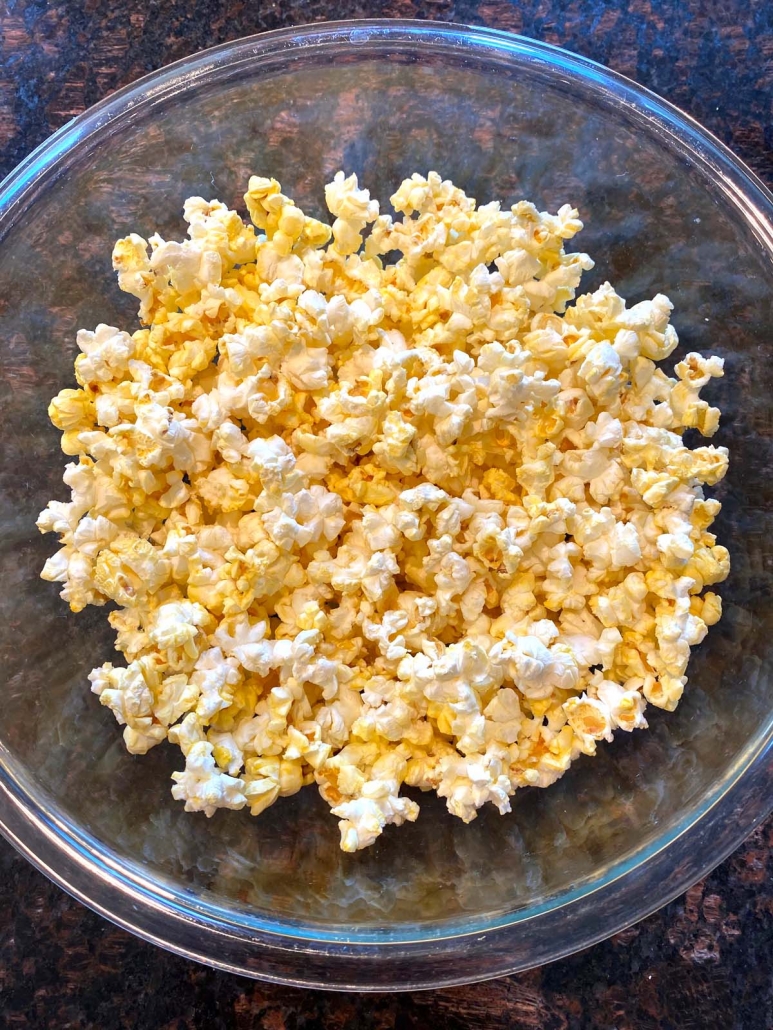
(370, 524)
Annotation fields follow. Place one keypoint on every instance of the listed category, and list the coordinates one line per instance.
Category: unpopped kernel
(370, 524)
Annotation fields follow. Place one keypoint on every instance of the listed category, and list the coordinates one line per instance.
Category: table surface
(702, 962)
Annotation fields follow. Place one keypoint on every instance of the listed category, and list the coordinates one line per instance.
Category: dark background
(704, 961)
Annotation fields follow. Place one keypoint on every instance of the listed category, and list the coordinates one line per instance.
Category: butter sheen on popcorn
(428, 523)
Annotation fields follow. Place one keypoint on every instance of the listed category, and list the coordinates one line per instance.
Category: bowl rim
(74, 860)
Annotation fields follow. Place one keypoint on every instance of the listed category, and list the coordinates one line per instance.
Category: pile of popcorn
(370, 523)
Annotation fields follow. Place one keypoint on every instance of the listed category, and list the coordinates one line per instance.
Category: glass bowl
(667, 208)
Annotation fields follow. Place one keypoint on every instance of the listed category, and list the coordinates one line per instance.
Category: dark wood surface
(701, 963)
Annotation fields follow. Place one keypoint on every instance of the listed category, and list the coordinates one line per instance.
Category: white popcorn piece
(106, 354)
(353, 209)
(203, 787)
(625, 706)
(589, 717)
(178, 624)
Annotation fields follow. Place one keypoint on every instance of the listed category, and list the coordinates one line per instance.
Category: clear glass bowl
(667, 208)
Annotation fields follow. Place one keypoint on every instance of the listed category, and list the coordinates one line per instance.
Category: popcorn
(106, 353)
(353, 209)
(430, 522)
(371, 796)
(589, 717)
(203, 787)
